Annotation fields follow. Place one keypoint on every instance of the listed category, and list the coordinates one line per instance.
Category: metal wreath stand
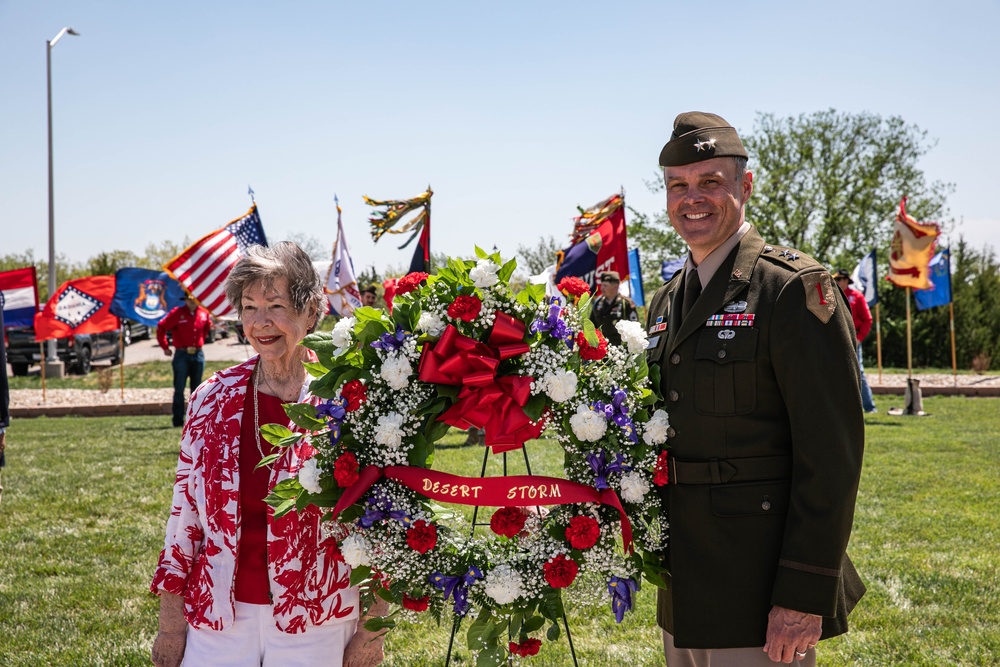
(472, 532)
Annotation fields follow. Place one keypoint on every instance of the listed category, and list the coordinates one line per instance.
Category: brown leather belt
(721, 471)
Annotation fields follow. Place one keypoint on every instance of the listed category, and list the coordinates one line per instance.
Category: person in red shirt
(862, 317)
(189, 326)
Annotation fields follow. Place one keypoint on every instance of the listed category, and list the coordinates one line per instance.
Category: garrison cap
(700, 136)
(369, 289)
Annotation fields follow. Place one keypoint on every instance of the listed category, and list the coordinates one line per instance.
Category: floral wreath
(461, 349)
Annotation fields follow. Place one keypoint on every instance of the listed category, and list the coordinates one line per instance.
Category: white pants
(254, 641)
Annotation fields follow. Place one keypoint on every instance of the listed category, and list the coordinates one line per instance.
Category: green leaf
(507, 270)
(315, 368)
(278, 435)
(491, 656)
(654, 382)
(281, 507)
(435, 430)
(584, 305)
(360, 574)
(480, 253)
(379, 623)
(479, 628)
(304, 416)
(589, 332)
(654, 574)
(321, 343)
(421, 451)
(552, 606)
(532, 624)
(535, 406)
(268, 460)
(552, 634)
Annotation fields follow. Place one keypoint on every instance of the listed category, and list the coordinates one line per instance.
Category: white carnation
(504, 584)
(655, 430)
(343, 335)
(634, 488)
(430, 323)
(633, 335)
(309, 476)
(588, 425)
(485, 274)
(389, 430)
(396, 371)
(355, 549)
(560, 385)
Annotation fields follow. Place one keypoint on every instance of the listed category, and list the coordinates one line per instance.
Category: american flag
(202, 268)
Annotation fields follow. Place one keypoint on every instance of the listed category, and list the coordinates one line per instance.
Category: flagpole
(878, 341)
(430, 268)
(41, 349)
(121, 355)
(951, 325)
(909, 341)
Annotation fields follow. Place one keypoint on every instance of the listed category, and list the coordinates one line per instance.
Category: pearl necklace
(256, 413)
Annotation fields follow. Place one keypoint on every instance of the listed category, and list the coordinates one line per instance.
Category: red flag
(78, 306)
(599, 243)
(911, 252)
(203, 268)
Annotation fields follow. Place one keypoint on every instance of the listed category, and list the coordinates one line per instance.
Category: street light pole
(51, 347)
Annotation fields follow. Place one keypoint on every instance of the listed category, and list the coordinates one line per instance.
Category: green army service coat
(766, 437)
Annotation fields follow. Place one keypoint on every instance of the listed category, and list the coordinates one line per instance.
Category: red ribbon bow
(485, 401)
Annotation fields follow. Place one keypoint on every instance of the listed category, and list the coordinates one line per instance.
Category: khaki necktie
(692, 290)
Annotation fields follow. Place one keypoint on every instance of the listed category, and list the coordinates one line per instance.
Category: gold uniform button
(673, 395)
(675, 358)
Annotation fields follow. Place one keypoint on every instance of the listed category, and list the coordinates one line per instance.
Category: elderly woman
(238, 587)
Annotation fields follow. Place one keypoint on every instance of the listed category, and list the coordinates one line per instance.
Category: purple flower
(379, 509)
(617, 411)
(457, 587)
(333, 409)
(602, 469)
(621, 596)
(554, 325)
(390, 342)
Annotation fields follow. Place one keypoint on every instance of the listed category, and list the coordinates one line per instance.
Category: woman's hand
(365, 649)
(168, 647)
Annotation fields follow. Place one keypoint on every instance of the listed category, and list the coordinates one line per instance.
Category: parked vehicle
(78, 352)
(133, 331)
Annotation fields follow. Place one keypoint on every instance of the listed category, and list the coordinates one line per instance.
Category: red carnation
(661, 471)
(345, 470)
(525, 648)
(354, 393)
(590, 353)
(508, 521)
(410, 282)
(415, 604)
(465, 308)
(583, 532)
(560, 571)
(422, 536)
(573, 286)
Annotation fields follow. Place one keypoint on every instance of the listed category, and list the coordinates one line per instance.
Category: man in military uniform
(756, 355)
(610, 307)
(368, 295)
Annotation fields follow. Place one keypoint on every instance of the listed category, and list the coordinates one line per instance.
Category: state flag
(911, 252)
(940, 293)
(202, 269)
(599, 243)
(145, 295)
(19, 297)
(341, 285)
(77, 307)
(865, 277)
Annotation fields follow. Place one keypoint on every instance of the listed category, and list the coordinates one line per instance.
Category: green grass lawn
(148, 375)
(85, 502)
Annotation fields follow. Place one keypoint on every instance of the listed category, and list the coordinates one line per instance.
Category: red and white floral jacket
(309, 583)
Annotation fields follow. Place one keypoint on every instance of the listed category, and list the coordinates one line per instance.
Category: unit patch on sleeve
(820, 297)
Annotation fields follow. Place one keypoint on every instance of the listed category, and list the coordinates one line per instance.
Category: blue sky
(514, 112)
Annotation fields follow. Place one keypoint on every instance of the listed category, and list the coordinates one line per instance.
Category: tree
(106, 263)
(535, 259)
(829, 183)
(159, 254)
(312, 246)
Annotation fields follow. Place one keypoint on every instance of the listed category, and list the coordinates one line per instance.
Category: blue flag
(635, 278)
(671, 266)
(145, 295)
(865, 278)
(940, 275)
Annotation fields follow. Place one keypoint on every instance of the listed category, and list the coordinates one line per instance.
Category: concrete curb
(145, 409)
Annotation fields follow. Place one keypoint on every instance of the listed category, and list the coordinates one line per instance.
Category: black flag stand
(472, 532)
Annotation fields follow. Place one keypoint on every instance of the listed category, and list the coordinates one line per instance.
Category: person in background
(610, 307)
(368, 296)
(189, 326)
(862, 317)
(4, 404)
(755, 349)
(238, 587)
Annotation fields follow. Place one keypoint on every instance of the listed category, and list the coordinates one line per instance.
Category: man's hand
(167, 351)
(3, 441)
(791, 632)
